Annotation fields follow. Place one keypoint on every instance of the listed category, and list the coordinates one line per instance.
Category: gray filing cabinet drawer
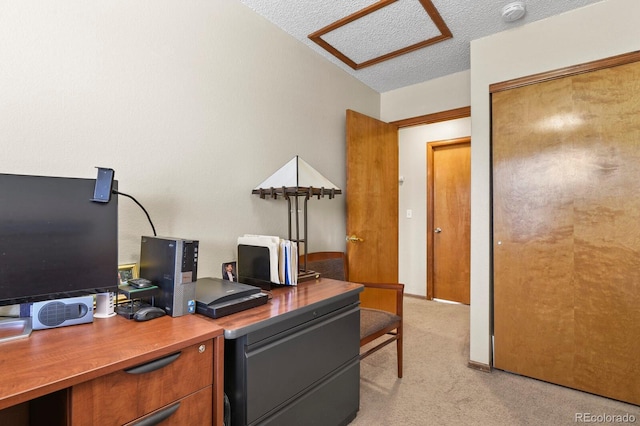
(311, 364)
(329, 403)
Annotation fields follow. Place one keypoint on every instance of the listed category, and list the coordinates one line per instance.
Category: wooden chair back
(380, 304)
(330, 264)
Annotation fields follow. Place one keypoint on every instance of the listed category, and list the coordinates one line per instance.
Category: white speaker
(62, 312)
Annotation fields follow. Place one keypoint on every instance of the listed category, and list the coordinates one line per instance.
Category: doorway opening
(448, 220)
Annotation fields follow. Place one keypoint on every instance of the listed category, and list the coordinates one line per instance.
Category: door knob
(354, 239)
(437, 230)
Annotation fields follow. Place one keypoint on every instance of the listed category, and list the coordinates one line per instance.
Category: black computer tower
(172, 265)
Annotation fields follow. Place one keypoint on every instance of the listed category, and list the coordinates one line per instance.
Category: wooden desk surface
(285, 301)
(54, 359)
(57, 358)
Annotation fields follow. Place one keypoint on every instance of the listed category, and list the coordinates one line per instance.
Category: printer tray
(217, 310)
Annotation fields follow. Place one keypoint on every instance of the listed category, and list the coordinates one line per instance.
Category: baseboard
(415, 296)
(479, 366)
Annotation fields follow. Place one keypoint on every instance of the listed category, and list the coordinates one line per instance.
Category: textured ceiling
(397, 25)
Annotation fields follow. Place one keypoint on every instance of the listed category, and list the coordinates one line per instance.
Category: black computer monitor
(54, 241)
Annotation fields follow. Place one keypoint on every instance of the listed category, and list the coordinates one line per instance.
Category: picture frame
(127, 272)
(234, 273)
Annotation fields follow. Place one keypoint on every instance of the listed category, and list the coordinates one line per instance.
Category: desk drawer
(126, 395)
(194, 410)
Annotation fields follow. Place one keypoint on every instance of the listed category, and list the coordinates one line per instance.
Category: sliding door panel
(566, 229)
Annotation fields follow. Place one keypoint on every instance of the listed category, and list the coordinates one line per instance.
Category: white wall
(430, 97)
(437, 95)
(412, 252)
(193, 103)
(597, 31)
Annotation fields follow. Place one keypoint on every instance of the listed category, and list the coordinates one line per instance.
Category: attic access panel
(376, 33)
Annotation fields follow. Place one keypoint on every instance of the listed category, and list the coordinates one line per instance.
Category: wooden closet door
(566, 231)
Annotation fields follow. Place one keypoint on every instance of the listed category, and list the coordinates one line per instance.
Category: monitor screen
(54, 241)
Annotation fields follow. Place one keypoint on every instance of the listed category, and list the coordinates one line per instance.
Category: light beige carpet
(438, 387)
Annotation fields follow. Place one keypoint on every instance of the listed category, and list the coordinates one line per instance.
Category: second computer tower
(172, 265)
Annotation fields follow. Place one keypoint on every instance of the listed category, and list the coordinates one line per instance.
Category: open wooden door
(372, 199)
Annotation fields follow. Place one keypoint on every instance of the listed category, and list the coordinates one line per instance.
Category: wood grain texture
(451, 212)
(217, 389)
(566, 167)
(377, 296)
(625, 58)
(436, 117)
(372, 199)
(287, 299)
(55, 359)
(192, 411)
(121, 397)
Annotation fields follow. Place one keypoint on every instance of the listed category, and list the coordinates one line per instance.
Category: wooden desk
(287, 302)
(296, 359)
(55, 375)
(56, 368)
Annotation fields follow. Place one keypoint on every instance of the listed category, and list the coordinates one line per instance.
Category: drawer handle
(159, 417)
(153, 365)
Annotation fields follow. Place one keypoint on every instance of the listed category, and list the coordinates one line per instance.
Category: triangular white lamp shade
(297, 174)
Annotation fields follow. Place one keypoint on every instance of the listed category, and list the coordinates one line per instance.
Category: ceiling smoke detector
(513, 11)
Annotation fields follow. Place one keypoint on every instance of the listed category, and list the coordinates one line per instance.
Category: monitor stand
(14, 328)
